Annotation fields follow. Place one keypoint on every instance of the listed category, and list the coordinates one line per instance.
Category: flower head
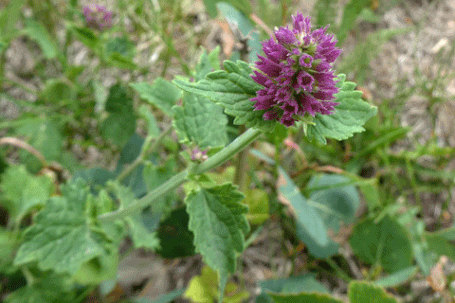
(296, 73)
(97, 16)
(198, 155)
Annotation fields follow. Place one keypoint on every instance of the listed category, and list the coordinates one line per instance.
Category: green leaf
(308, 219)
(8, 242)
(86, 36)
(335, 198)
(22, 192)
(175, 237)
(292, 285)
(203, 289)
(336, 202)
(120, 45)
(142, 238)
(258, 204)
(304, 298)
(8, 19)
(47, 289)
(232, 88)
(200, 121)
(154, 176)
(385, 243)
(397, 278)
(120, 125)
(152, 126)
(348, 118)
(351, 11)
(120, 51)
(39, 33)
(363, 292)
(99, 269)
(438, 243)
(163, 94)
(217, 219)
(45, 136)
(62, 238)
(57, 90)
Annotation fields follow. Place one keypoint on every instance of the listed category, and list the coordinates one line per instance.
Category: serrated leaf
(217, 219)
(232, 88)
(364, 292)
(22, 192)
(385, 243)
(163, 94)
(200, 121)
(304, 298)
(141, 237)
(62, 238)
(39, 33)
(348, 118)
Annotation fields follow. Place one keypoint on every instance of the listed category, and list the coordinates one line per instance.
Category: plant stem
(241, 166)
(173, 183)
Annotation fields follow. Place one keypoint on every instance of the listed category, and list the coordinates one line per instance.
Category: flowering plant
(74, 230)
(296, 73)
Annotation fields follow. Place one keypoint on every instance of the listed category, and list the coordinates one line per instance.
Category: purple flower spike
(296, 73)
(97, 16)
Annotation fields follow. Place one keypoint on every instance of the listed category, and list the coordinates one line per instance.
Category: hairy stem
(173, 183)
